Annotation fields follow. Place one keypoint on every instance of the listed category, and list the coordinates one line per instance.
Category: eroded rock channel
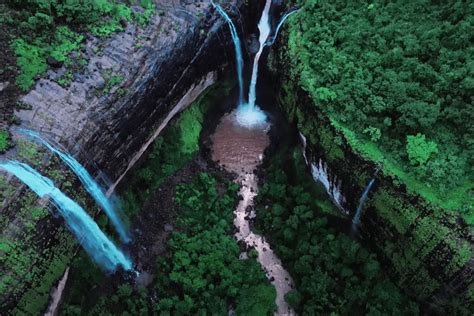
(240, 150)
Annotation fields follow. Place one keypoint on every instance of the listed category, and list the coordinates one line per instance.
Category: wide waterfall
(363, 198)
(249, 114)
(89, 183)
(238, 50)
(89, 235)
(271, 41)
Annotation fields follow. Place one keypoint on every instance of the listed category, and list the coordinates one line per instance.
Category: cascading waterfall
(238, 50)
(363, 198)
(282, 20)
(89, 183)
(94, 241)
(249, 114)
(264, 29)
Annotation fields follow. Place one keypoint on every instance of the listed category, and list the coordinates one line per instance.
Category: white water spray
(250, 114)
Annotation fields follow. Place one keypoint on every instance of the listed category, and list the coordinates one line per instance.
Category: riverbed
(240, 150)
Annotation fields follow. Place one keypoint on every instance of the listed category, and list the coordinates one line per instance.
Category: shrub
(419, 150)
(4, 140)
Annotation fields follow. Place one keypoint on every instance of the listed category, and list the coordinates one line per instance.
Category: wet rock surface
(157, 65)
(392, 216)
(105, 125)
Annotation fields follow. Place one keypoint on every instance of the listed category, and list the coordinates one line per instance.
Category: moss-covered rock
(424, 243)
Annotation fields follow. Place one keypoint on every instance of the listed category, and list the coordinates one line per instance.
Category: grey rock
(253, 43)
(53, 62)
(4, 85)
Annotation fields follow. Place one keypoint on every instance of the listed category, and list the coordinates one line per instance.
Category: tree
(293, 298)
(420, 150)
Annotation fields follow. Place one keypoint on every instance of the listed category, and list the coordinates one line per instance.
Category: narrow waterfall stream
(94, 189)
(360, 207)
(264, 29)
(94, 241)
(240, 150)
(273, 38)
(239, 61)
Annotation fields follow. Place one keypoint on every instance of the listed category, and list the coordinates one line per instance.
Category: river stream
(240, 150)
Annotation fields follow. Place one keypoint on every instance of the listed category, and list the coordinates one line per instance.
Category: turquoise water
(94, 189)
(87, 232)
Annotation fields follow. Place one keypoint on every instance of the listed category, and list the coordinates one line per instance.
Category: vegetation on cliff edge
(398, 78)
(44, 33)
(332, 273)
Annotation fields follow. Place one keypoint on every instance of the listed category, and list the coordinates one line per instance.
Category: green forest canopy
(398, 74)
(332, 272)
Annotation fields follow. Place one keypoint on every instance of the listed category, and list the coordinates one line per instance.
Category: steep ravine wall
(164, 67)
(427, 250)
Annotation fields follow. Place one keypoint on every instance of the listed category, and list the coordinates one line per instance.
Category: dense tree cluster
(200, 275)
(395, 72)
(332, 272)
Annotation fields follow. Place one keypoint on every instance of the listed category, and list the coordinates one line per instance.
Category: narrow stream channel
(56, 295)
(240, 150)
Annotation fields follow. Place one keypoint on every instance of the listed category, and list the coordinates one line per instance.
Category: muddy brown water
(240, 150)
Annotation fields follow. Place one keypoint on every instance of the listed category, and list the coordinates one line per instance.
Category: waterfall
(238, 50)
(94, 241)
(282, 20)
(264, 29)
(89, 183)
(363, 198)
(250, 114)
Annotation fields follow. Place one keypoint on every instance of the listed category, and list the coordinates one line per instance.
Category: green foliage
(32, 57)
(419, 150)
(256, 300)
(391, 69)
(28, 151)
(31, 62)
(172, 150)
(205, 264)
(4, 140)
(111, 80)
(145, 17)
(201, 273)
(325, 94)
(190, 127)
(374, 133)
(293, 298)
(6, 190)
(332, 273)
(46, 30)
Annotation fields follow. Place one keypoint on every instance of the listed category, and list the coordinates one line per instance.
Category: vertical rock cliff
(107, 117)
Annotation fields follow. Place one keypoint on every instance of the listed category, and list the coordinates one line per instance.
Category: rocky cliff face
(157, 66)
(107, 117)
(427, 249)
